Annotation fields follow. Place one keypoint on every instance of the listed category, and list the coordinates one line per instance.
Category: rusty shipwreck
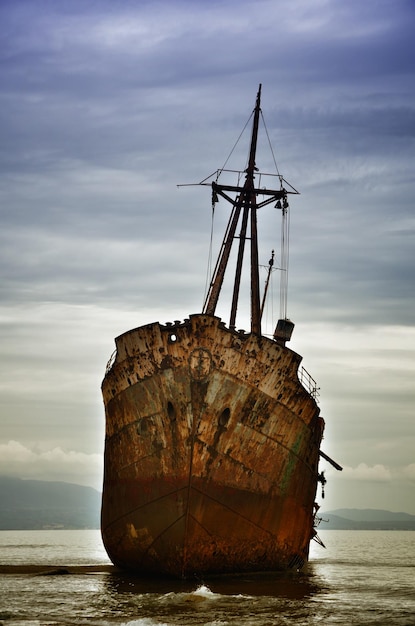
(213, 434)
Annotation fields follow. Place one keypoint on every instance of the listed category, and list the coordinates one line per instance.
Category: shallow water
(362, 577)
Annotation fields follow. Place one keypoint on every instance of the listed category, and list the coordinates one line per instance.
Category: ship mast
(244, 203)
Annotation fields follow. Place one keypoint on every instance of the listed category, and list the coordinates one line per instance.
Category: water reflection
(246, 599)
(342, 585)
(295, 586)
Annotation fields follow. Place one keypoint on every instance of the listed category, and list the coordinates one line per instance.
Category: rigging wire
(285, 243)
(269, 301)
(218, 173)
(270, 145)
(210, 255)
(285, 239)
(285, 226)
(235, 144)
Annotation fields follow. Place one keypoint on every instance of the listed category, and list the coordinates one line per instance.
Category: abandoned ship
(213, 434)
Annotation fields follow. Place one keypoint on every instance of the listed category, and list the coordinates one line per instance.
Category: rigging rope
(285, 241)
(270, 145)
(219, 172)
(236, 143)
(269, 302)
(210, 256)
(285, 226)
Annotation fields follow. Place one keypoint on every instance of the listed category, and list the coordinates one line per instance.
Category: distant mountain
(366, 519)
(37, 504)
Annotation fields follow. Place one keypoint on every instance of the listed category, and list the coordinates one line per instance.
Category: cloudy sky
(105, 107)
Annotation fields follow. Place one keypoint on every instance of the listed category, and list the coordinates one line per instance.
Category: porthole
(172, 338)
(224, 417)
(171, 412)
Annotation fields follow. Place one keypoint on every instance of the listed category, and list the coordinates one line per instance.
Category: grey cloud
(105, 108)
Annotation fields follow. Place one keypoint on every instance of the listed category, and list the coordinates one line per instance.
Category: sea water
(59, 577)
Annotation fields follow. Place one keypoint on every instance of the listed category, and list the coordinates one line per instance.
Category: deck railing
(110, 362)
(308, 382)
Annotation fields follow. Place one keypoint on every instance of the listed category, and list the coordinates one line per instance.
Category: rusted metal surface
(212, 443)
(211, 453)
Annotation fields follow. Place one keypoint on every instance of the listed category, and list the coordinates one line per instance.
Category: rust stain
(203, 474)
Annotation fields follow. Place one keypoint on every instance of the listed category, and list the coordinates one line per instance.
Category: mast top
(254, 138)
(244, 212)
(258, 96)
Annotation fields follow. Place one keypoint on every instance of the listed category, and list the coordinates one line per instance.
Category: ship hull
(211, 452)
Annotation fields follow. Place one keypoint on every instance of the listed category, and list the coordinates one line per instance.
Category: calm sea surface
(362, 577)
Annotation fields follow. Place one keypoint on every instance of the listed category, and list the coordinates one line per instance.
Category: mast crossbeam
(246, 198)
